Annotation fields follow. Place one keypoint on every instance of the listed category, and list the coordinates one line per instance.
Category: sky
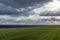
(29, 12)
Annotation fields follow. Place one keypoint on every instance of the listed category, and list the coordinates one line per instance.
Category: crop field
(31, 33)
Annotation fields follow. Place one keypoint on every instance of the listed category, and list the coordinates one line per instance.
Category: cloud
(28, 12)
(31, 19)
(49, 9)
(7, 10)
(7, 7)
(23, 3)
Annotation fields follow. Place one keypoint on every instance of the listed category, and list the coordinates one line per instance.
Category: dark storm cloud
(6, 10)
(8, 7)
(22, 3)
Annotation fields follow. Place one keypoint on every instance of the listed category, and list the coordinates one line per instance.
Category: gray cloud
(50, 14)
(7, 7)
(26, 12)
(22, 3)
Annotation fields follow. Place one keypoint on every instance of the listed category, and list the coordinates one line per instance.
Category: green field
(34, 33)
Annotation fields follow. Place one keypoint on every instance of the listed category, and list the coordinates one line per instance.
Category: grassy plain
(32, 33)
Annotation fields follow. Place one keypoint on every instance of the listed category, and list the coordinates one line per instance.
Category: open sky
(28, 11)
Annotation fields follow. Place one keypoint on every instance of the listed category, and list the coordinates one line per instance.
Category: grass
(34, 33)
